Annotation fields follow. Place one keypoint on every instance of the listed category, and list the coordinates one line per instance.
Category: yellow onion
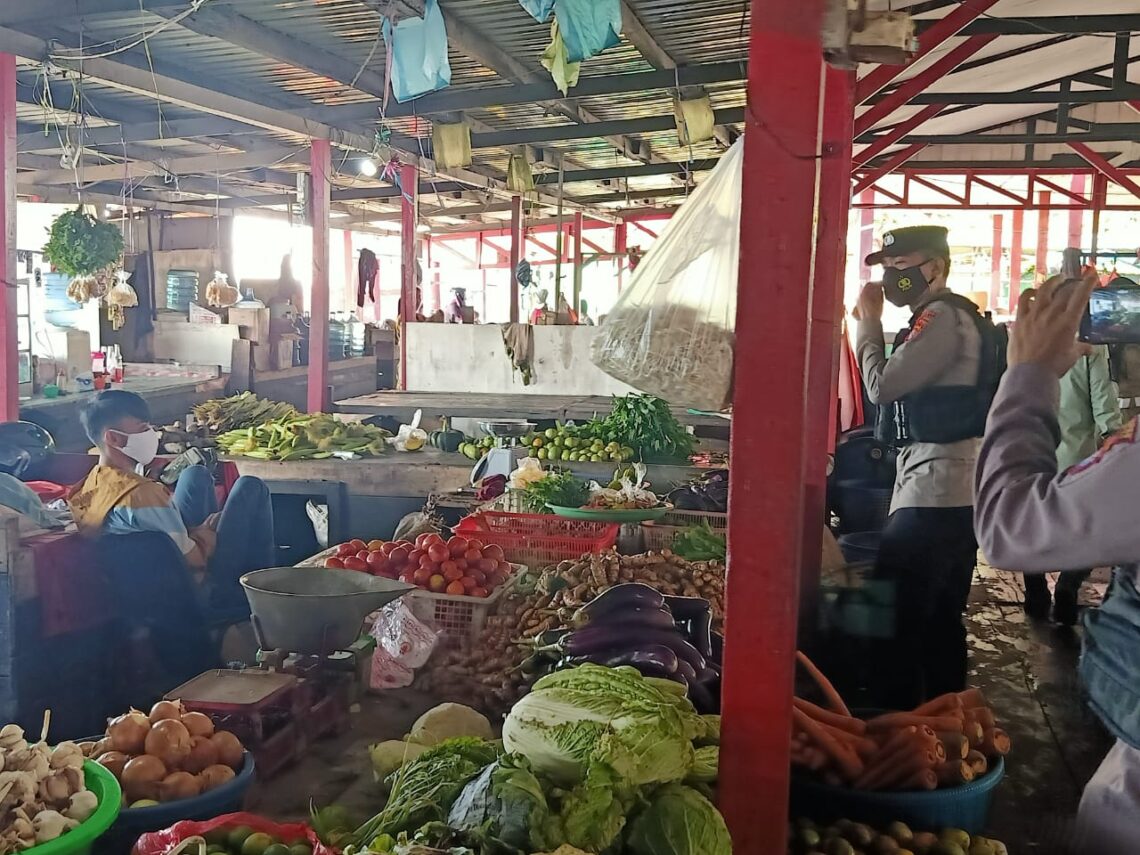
(165, 710)
(199, 724)
(178, 785)
(169, 741)
(141, 777)
(229, 747)
(203, 753)
(102, 746)
(128, 732)
(113, 762)
(213, 777)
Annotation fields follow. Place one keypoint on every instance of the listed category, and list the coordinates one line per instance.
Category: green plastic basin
(78, 841)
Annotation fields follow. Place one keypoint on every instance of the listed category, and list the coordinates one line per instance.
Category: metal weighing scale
(504, 457)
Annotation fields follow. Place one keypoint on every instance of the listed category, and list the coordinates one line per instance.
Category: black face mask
(905, 287)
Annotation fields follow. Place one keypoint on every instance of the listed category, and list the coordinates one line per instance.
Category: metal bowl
(512, 428)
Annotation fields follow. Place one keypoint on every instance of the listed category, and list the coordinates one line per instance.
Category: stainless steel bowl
(507, 428)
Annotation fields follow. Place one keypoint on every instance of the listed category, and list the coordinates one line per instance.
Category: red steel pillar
(866, 233)
(621, 243)
(1016, 239)
(320, 168)
(1041, 262)
(409, 213)
(577, 291)
(823, 334)
(516, 253)
(1099, 197)
(778, 208)
(1077, 215)
(350, 276)
(995, 265)
(9, 336)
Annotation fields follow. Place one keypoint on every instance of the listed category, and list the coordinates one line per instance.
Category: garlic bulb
(50, 824)
(81, 805)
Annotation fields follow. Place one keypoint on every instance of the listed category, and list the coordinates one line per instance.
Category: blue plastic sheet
(538, 9)
(588, 26)
(418, 54)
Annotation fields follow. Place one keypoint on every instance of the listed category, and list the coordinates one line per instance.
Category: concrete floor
(1027, 671)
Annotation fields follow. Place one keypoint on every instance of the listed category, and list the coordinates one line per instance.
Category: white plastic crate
(458, 619)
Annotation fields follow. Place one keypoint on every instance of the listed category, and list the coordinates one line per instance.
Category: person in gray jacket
(1089, 413)
(1033, 518)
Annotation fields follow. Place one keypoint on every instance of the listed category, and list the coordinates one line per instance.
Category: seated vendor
(116, 499)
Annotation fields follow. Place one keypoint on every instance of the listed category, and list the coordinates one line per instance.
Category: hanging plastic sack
(540, 10)
(451, 144)
(695, 119)
(519, 177)
(671, 332)
(588, 26)
(417, 49)
(555, 60)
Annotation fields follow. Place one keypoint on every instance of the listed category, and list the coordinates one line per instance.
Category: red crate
(539, 540)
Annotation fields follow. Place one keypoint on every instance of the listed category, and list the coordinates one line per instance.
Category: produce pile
(542, 490)
(807, 837)
(598, 759)
(243, 840)
(489, 674)
(636, 426)
(701, 543)
(42, 790)
(167, 755)
(304, 437)
(458, 566)
(240, 411)
(945, 742)
(707, 492)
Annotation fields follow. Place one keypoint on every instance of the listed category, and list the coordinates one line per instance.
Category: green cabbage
(678, 821)
(506, 804)
(583, 716)
(705, 765)
(592, 815)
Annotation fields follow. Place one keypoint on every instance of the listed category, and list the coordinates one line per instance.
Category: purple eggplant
(687, 671)
(593, 639)
(656, 656)
(619, 598)
(654, 618)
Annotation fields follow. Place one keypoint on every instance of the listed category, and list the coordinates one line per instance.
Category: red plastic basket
(539, 540)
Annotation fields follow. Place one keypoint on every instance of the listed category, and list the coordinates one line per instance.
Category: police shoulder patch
(920, 323)
(1127, 435)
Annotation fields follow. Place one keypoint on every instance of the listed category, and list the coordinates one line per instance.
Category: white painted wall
(457, 358)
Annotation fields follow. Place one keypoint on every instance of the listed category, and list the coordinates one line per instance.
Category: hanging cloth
(556, 61)
(368, 270)
(417, 50)
(538, 9)
(588, 27)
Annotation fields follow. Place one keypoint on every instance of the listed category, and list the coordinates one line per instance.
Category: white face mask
(141, 447)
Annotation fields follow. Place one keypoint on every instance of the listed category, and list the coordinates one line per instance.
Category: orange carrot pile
(947, 741)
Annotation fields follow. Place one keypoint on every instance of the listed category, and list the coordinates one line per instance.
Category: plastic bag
(319, 516)
(403, 643)
(671, 332)
(161, 842)
(540, 10)
(418, 51)
(588, 27)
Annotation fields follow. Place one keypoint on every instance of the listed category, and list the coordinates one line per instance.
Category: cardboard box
(282, 352)
(198, 315)
(252, 324)
(262, 357)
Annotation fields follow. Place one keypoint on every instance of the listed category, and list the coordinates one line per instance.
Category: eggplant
(687, 671)
(595, 639)
(707, 675)
(703, 699)
(655, 618)
(700, 634)
(687, 608)
(620, 598)
(655, 656)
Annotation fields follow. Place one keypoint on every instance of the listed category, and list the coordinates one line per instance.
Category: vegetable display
(637, 426)
(220, 415)
(166, 755)
(446, 438)
(458, 566)
(945, 742)
(557, 489)
(42, 790)
(707, 492)
(304, 437)
(806, 837)
(81, 246)
(577, 443)
(701, 543)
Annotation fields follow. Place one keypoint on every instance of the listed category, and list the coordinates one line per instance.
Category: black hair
(108, 409)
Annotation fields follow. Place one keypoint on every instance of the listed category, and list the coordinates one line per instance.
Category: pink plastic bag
(403, 643)
(161, 842)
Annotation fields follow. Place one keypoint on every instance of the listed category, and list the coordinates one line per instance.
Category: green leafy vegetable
(575, 718)
(700, 543)
(711, 736)
(505, 803)
(705, 765)
(560, 489)
(678, 821)
(592, 815)
(646, 423)
(80, 245)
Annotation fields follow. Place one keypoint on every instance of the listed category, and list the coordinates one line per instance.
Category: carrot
(889, 721)
(940, 751)
(982, 715)
(973, 732)
(901, 769)
(895, 740)
(972, 698)
(843, 722)
(846, 760)
(909, 754)
(978, 762)
(995, 742)
(954, 772)
(956, 745)
(833, 699)
(923, 779)
(942, 705)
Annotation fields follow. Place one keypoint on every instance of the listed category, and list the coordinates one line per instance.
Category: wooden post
(320, 167)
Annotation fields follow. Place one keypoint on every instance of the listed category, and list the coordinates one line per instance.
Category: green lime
(278, 849)
(595, 458)
(237, 836)
(217, 849)
(141, 803)
(256, 844)
(301, 848)
(217, 836)
(542, 454)
(550, 433)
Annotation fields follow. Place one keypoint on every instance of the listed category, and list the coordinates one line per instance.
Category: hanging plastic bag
(403, 644)
(588, 27)
(417, 48)
(671, 332)
(451, 144)
(538, 9)
(557, 62)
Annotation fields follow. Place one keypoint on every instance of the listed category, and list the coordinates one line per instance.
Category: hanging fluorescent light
(368, 167)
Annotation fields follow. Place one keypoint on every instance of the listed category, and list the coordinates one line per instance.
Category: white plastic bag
(403, 643)
(671, 333)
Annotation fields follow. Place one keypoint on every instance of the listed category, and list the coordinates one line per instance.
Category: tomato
(493, 551)
(415, 555)
(439, 552)
(505, 568)
(471, 556)
(374, 545)
(388, 547)
(446, 566)
(426, 562)
(421, 541)
(461, 563)
(354, 563)
(456, 589)
(335, 563)
(453, 574)
(497, 578)
(468, 583)
(479, 576)
(378, 562)
(487, 565)
(398, 556)
(457, 546)
(407, 578)
(358, 544)
(345, 549)
(437, 583)
(482, 593)
(422, 575)
(473, 543)
(363, 554)
(434, 538)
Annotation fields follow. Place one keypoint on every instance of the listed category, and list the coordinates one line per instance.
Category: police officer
(1033, 518)
(929, 408)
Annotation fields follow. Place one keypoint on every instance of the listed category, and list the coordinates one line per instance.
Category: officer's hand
(1047, 323)
(870, 304)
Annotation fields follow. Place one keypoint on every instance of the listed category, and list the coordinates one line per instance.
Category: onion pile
(166, 755)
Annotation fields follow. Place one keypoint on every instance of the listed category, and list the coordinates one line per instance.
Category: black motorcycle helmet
(23, 447)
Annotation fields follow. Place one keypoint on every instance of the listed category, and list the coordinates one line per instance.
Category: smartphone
(190, 457)
(1113, 314)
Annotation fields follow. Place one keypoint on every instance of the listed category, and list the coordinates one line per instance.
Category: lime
(538, 442)
(571, 442)
(256, 844)
(141, 803)
(217, 849)
(217, 836)
(542, 454)
(278, 849)
(595, 458)
(237, 837)
(550, 433)
(301, 848)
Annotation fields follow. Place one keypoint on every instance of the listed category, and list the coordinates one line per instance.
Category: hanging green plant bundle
(80, 245)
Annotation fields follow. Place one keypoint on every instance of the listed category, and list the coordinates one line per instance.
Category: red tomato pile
(459, 566)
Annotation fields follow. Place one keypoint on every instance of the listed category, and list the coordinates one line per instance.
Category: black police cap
(928, 239)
